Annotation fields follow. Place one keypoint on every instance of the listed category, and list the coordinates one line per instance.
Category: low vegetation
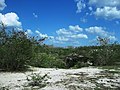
(18, 51)
(35, 79)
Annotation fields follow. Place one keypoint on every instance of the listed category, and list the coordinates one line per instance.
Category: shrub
(105, 54)
(16, 50)
(47, 61)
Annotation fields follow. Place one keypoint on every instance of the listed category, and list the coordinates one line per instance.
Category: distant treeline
(18, 51)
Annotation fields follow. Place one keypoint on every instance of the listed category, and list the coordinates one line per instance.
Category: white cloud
(79, 36)
(108, 13)
(62, 39)
(63, 31)
(35, 15)
(97, 30)
(19, 29)
(90, 8)
(80, 5)
(2, 4)
(101, 32)
(10, 19)
(75, 28)
(41, 35)
(113, 38)
(70, 35)
(71, 30)
(102, 3)
(28, 32)
(107, 9)
(51, 37)
(37, 32)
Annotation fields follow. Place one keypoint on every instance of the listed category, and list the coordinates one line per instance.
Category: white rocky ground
(87, 78)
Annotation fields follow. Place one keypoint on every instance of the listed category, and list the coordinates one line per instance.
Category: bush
(105, 54)
(47, 61)
(16, 50)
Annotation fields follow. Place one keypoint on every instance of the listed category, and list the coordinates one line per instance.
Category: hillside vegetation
(18, 51)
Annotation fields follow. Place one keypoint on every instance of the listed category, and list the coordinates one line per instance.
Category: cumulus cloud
(62, 39)
(41, 35)
(108, 13)
(97, 30)
(28, 32)
(51, 37)
(90, 8)
(2, 4)
(77, 36)
(75, 28)
(71, 30)
(10, 19)
(63, 31)
(108, 10)
(72, 34)
(80, 5)
(69, 36)
(112, 38)
(19, 29)
(102, 3)
(100, 31)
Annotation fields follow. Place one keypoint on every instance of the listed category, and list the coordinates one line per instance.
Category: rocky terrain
(88, 78)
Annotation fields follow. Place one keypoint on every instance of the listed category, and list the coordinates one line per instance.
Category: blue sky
(64, 22)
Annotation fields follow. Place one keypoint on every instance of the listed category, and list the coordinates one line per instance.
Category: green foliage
(16, 50)
(105, 54)
(47, 61)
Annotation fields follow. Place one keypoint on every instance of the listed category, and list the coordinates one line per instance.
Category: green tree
(16, 49)
(104, 54)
